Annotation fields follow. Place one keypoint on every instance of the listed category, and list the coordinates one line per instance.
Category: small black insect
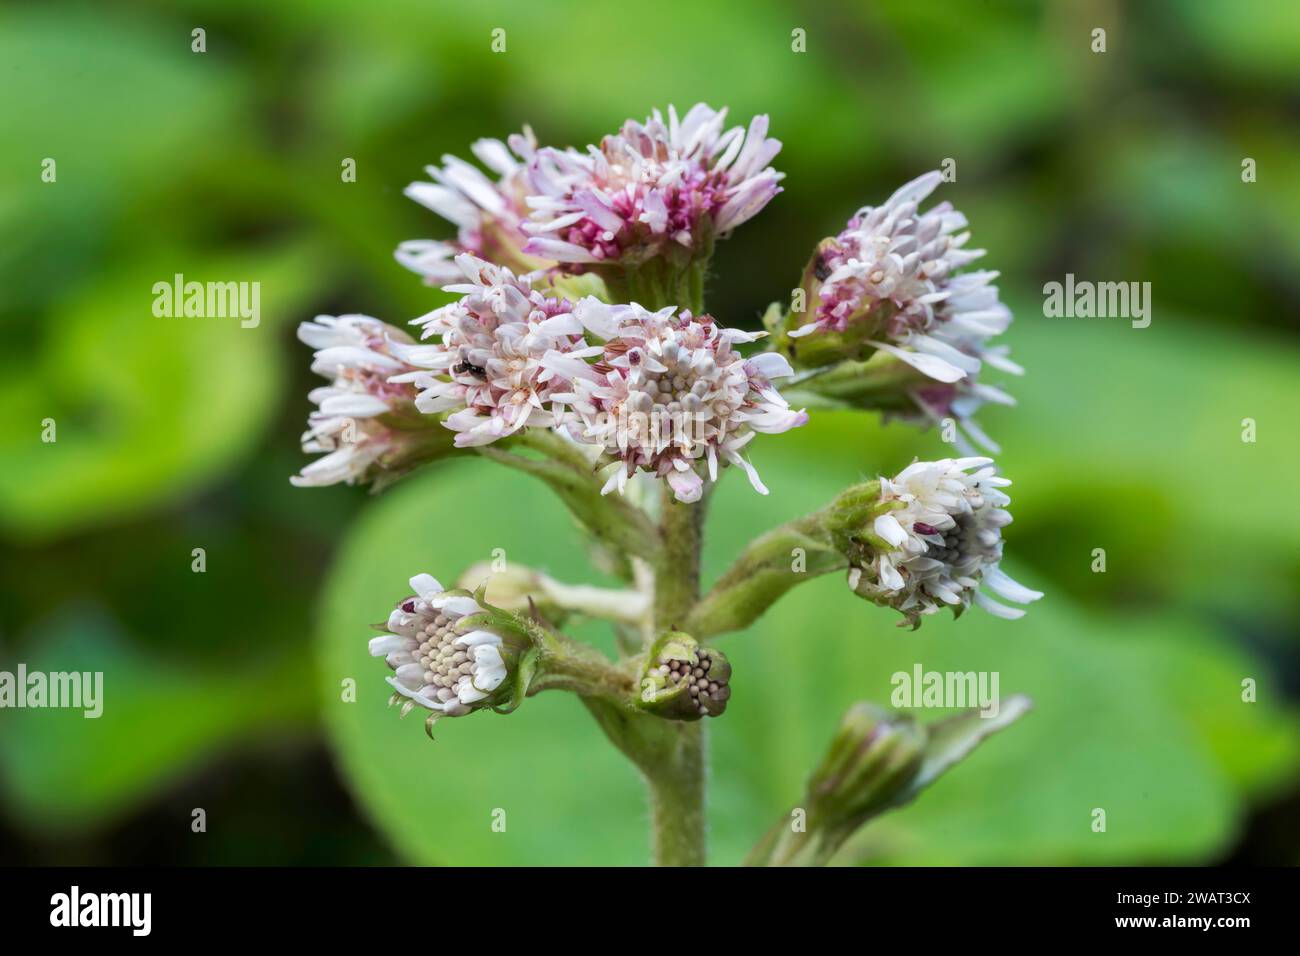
(821, 270)
(467, 368)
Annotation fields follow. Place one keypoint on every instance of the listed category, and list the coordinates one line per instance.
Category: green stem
(677, 570)
(669, 753)
(770, 566)
(573, 666)
(676, 779)
(677, 789)
(784, 557)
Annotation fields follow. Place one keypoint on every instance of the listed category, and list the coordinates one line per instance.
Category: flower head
(485, 365)
(650, 186)
(442, 662)
(890, 281)
(364, 423)
(669, 395)
(940, 537)
(487, 214)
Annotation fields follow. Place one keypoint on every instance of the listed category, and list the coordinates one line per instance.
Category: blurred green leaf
(1250, 38)
(65, 774)
(120, 106)
(1131, 440)
(145, 408)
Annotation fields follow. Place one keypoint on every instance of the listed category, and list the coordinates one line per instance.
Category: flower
(440, 663)
(364, 424)
(486, 365)
(940, 537)
(890, 281)
(487, 214)
(648, 186)
(668, 393)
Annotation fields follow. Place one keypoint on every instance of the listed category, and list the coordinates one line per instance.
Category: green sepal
(577, 287)
(517, 685)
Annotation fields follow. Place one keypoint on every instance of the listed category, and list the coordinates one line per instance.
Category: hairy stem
(677, 571)
(677, 789)
(676, 779)
(573, 666)
(784, 557)
(671, 756)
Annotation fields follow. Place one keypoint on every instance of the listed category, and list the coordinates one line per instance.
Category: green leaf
(64, 773)
(145, 408)
(124, 109)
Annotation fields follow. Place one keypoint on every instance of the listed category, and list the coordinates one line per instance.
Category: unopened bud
(681, 680)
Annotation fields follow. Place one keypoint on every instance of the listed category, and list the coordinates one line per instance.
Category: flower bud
(871, 760)
(681, 680)
(877, 761)
(524, 590)
(452, 653)
(514, 587)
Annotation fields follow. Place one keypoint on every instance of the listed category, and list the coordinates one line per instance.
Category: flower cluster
(485, 367)
(662, 392)
(941, 527)
(363, 423)
(578, 340)
(892, 278)
(441, 664)
(649, 185)
(667, 394)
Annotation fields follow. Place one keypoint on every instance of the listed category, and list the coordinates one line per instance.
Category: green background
(222, 689)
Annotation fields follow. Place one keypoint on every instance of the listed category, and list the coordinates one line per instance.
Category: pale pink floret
(650, 185)
(668, 394)
(487, 213)
(348, 427)
(485, 363)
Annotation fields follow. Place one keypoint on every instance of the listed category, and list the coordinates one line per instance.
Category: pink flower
(896, 268)
(668, 394)
(937, 319)
(485, 366)
(648, 186)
